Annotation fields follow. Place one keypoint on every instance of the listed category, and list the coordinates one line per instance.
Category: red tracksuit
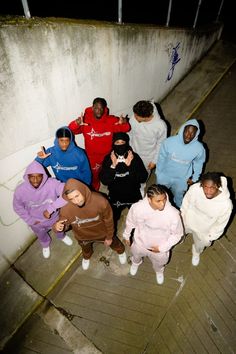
(98, 138)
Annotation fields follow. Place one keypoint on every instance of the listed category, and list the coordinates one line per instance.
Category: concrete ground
(53, 306)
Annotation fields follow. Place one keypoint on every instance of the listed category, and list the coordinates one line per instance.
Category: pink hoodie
(154, 227)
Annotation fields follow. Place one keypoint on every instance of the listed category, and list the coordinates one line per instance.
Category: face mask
(120, 149)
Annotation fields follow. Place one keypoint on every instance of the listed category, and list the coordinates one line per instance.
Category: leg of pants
(199, 244)
(87, 248)
(42, 234)
(95, 165)
(158, 260)
(178, 189)
(117, 210)
(117, 245)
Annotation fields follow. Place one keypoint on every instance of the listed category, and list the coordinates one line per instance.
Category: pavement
(28, 284)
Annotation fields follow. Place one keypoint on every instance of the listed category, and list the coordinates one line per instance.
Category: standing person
(90, 216)
(206, 210)
(158, 227)
(66, 159)
(37, 201)
(180, 161)
(122, 171)
(97, 127)
(147, 132)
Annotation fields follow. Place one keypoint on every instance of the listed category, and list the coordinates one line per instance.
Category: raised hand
(80, 120)
(129, 158)
(151, 165)
(113, 159)
(59, 225)
(107, 242)
(122, 119)
(154, 249)
(42, 154)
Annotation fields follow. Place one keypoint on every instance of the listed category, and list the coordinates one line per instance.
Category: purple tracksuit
(30, 203)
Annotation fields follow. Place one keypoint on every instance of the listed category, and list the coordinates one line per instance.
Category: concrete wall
(51, 70)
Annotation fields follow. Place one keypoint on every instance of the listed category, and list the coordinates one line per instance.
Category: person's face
(98, 110)
(119, 142)
(76, 198)
(189, 133)
(210, 189)
(142, 119)
(64, 143)
(35, 179)
(158, 202)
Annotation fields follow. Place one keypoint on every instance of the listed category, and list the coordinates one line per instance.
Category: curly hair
(143, 109)
(211, 176)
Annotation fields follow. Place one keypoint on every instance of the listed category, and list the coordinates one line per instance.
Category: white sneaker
(133, 269)
(195, 259)
(85, 264)
(46, 252)
(67, 240)
(122, 258)
(160, 278)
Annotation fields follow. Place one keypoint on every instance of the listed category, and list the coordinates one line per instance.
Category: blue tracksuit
(72, 163)
(177, 162)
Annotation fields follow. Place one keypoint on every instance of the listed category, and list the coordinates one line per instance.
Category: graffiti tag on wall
(174, 59)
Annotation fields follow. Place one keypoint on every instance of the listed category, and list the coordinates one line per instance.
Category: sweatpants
(87, 246)
(158, 260)
(43, 236)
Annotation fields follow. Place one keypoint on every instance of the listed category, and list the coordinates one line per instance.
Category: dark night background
(133, 11)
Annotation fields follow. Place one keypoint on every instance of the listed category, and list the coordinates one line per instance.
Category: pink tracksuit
(153, 228)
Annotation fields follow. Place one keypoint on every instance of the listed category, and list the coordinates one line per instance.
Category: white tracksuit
(205, 218)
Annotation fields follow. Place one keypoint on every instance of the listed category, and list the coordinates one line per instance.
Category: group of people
(121, 153)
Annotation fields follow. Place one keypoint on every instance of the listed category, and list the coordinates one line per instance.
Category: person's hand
(42, 154)
(107, 242)
(80, 120)
(129, 158)
(154, 249)
(151, 165)
(113, 159)
(127, 242)
(59, 225)
(189, 182)
(121, 120)
(46, 214)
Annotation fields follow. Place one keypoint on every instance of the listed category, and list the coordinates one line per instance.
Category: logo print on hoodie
(59, 167)
(79, 221)
(98, 135)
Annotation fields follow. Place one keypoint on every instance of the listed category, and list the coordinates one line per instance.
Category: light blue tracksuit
(177, 162)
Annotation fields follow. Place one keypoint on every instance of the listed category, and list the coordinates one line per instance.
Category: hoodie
(30, 203)
(154, 227)
(179, 160)
(146, 137)
(206, 217)
(92, 221)
(99, 132)
(123, 181)
(72, 163)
